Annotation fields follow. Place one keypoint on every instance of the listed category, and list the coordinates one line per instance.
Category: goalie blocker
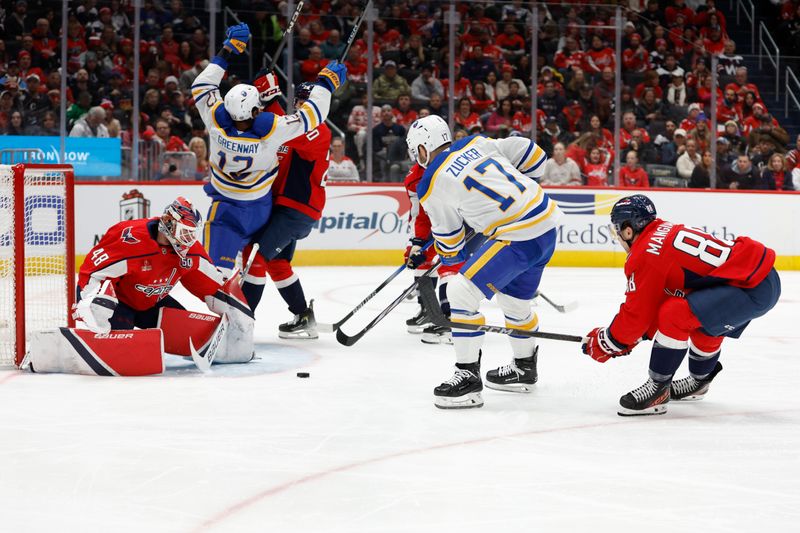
(140, 352)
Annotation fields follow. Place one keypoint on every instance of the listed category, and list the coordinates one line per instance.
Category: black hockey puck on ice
(303, 375)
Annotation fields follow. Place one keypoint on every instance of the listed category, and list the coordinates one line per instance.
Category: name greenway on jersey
(235, 147)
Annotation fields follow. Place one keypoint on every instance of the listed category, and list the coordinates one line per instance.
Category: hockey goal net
(37, 253)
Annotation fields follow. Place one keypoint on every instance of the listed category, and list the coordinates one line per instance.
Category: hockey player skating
(687, 290)
(487, 185)
(299, 193)
(243, 147)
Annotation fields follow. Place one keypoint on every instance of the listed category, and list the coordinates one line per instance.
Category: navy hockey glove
(333, 76)
(237, 38)
(416, 255)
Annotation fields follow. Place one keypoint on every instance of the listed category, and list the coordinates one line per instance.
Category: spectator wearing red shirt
(679, 7)
(319, 34)
(311, 66)
(356, 66)
(741, 86)
(511, 43)
(635, 58)
(628, 127)
(168, 47)
(570, 57)
(466, 118)
(25, 69)
(573, 116)
(715, 42)
(793, 156)
(599, 57)
(632, 175)
(710, 16)
(596, 169)
(403, 114)
(650, 81)
(605, 139)
(481, 102)
(727, 108)
(169, 142)
(462, 86)
(690, 122)
(501, 119)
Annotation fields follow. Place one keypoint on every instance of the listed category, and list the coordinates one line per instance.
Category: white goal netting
(36, 254)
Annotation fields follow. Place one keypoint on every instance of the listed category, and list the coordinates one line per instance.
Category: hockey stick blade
(434, 314)
(203, 361)
(199, 361)
(566, 308)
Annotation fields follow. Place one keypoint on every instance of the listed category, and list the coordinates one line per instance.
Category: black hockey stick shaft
(349, 340)
(354, 32)
(434, 314)
(335, 326)
(286, 35)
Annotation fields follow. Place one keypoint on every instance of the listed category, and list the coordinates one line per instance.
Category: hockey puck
(303, 375)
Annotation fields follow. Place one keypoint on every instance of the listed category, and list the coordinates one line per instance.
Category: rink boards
(368, 224)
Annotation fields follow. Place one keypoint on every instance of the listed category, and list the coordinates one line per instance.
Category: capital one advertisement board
(363, 225)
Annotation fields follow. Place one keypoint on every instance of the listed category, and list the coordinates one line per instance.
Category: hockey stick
(349, 340)
(249, 263)
(330, 328)
(566, 308)
(204, 360)
(286, 35)
(434, 313)
(354, 33)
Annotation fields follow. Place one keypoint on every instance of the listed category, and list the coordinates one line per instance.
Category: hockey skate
(462, 391)
(519, 376)
(418, 322)
(302, 326)
(437, 335)
(649, 399)
(689, 389)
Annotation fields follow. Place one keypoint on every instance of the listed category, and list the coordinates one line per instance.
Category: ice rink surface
(359, 447)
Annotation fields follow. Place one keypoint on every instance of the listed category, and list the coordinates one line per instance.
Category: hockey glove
(97, 306)
(266, 83)
(333, 76)
(415, 255)
(237, 38)
(601, 346)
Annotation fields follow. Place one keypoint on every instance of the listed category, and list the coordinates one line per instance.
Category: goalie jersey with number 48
(489, 185)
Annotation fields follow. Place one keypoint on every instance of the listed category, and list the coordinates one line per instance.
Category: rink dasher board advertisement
(367, 225)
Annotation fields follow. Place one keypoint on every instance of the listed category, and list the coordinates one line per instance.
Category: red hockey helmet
(180, 224)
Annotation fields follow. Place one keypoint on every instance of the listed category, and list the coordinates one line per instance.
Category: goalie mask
(180, 224)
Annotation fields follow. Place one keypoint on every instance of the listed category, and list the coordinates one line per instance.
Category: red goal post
(37, 253)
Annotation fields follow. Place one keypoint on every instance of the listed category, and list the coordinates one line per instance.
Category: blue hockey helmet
(635, 212)
(302, 92)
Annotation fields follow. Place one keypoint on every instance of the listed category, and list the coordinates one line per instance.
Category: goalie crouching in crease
(124, 283)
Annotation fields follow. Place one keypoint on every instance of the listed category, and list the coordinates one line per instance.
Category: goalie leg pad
(180, 325)
(465, 300)
(117, 353)
(237, 344)
(519, 315)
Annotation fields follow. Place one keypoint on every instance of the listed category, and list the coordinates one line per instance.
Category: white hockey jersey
(244, 164)
(488, 185)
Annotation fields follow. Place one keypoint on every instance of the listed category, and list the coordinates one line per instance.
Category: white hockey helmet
(240, 101)
(431, 132)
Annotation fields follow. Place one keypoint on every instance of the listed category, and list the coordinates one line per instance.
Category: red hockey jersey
(420, 222)
(303, 170)
(142, 270)
(672, 260)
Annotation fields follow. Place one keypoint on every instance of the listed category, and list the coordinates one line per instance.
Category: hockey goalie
(124, 300)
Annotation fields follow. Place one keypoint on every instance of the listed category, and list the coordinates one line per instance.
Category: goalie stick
(249, 263)
(433, 312)
(286, 35)
(204, 360)
(566, 308)
(330, 328)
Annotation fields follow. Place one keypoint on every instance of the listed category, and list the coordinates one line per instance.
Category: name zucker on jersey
(462, 161)
(657, 238)
(249, 148)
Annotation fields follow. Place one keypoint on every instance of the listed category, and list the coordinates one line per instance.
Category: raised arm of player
(527, 156)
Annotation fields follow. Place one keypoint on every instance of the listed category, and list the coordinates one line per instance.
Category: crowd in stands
(665, 104)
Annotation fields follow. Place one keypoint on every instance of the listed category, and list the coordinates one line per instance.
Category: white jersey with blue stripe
(244, 164)
(488, 185)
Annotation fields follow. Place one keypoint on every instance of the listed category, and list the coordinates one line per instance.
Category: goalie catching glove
(97, 305)
(601, 346)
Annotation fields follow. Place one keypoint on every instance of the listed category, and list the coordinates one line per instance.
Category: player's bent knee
(280, 270)
(463, 294)
(705, 345)
(117, 353)
(515, 309)
(675, 321)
